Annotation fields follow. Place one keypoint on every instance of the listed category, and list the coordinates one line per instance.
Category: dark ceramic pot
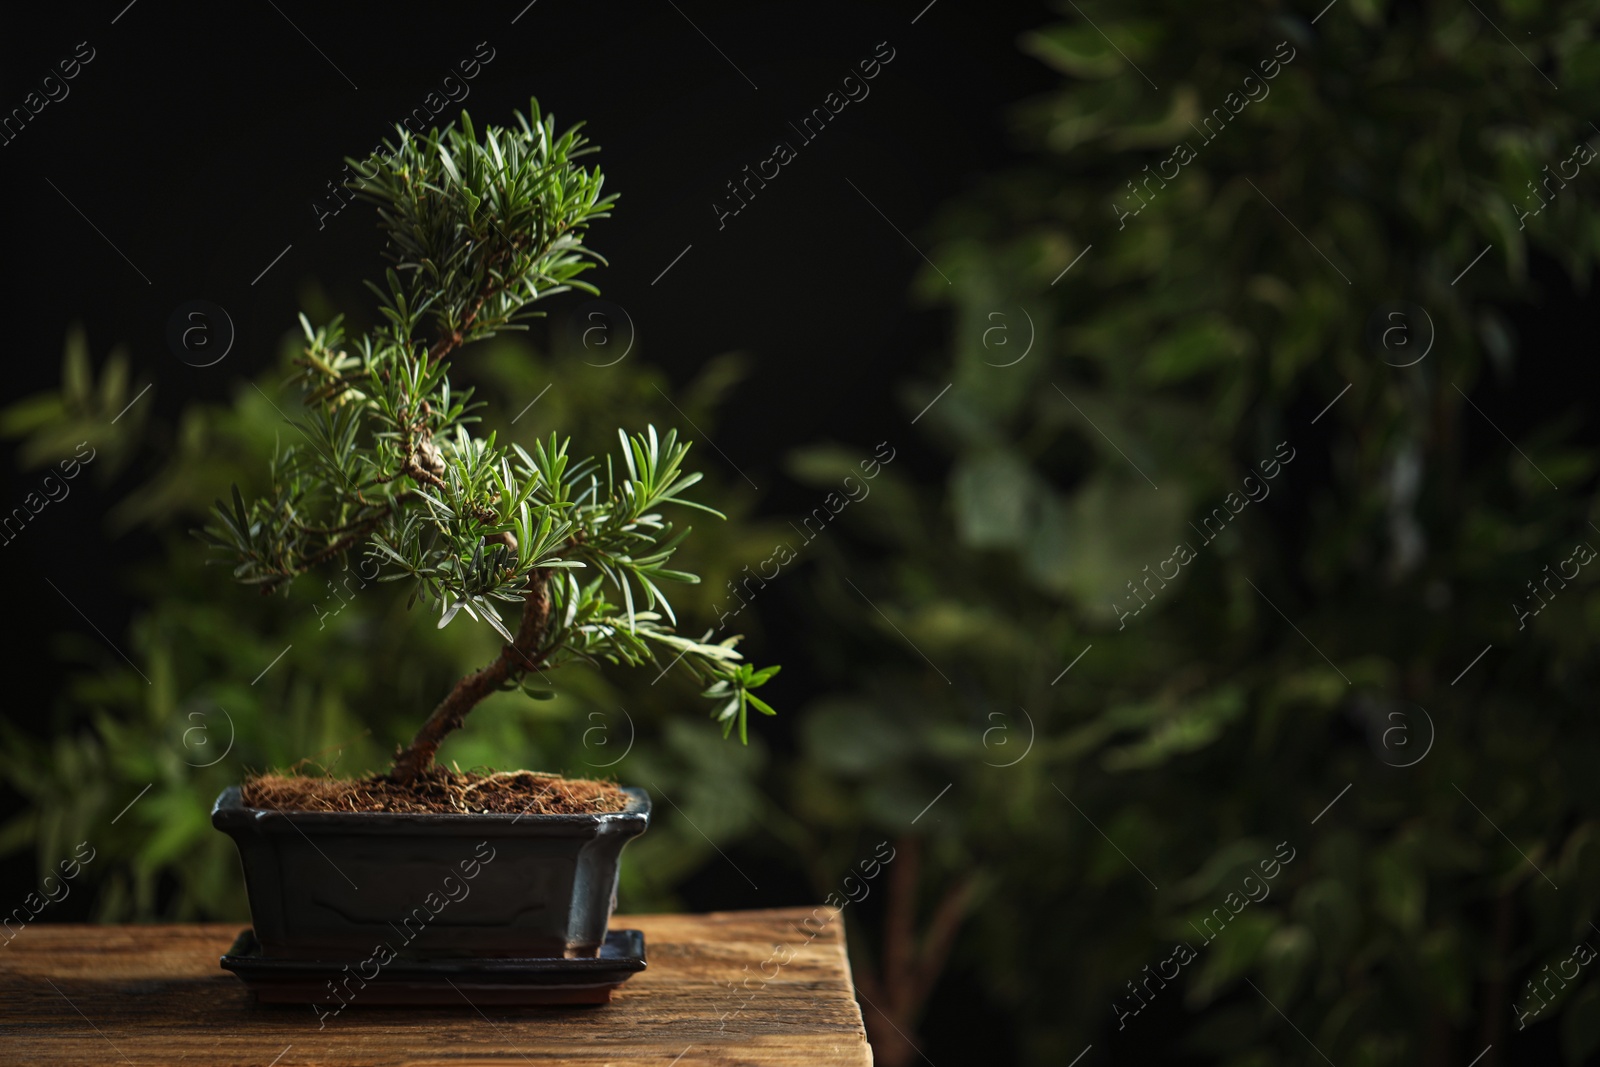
(335, 885)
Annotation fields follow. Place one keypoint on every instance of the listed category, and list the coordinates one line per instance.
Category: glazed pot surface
(338, 885)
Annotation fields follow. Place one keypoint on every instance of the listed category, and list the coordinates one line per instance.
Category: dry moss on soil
(439, 790)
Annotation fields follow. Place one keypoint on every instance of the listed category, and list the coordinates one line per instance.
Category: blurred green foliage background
(1086, 819)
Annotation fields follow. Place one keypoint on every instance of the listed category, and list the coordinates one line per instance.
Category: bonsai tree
(384, 465)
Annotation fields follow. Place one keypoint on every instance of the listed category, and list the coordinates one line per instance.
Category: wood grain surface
(746, 988)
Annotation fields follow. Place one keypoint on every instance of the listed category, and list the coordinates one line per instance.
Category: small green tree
(386, 466)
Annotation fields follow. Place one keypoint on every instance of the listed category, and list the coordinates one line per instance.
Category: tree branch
(515, 659)
(356, 531)
(456, 338)
(938, 939)
(908, 970)
(900, 923)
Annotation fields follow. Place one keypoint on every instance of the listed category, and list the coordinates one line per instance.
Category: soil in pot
(438, 791)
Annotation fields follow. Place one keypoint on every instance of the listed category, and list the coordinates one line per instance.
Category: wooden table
(78, 995)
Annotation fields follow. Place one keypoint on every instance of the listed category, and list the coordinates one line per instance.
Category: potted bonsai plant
(565, 558)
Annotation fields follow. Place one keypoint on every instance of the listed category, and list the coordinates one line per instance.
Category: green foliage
(99, 412)
(385, 465)
(1198, 332)
(478, 232)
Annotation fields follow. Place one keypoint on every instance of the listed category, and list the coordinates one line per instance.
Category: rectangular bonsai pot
(336, 885)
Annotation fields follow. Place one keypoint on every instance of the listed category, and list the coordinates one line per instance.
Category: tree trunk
(516, 659)
(897, 990)
(1497, 993)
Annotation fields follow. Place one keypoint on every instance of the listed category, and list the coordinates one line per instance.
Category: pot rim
(230, 812)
